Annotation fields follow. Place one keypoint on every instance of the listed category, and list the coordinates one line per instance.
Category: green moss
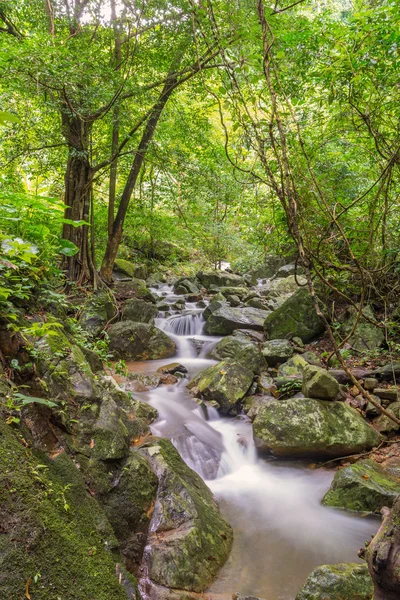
(338, 582)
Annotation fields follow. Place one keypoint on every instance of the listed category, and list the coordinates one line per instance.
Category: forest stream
(273, 506)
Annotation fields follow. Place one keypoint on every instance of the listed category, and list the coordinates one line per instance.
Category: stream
(281, 530)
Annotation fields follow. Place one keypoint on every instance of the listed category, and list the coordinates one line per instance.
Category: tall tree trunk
(78, 189)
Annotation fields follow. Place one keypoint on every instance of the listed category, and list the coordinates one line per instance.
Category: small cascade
(187, 324)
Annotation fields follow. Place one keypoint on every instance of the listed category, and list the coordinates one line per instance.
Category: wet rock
(193, 297)
(189, 540)
(293, 367)
(141, 382)
(277, 351)
(186, 286)
(253, 404)
(366, 336)
(363, 487)
(139, 311)
(213, 306)
(225, 320)
(385, 425)
(233, 300)
(346, 581)
(295, 318)
(125, 267)
(139, 341)
(317, 383)
(271, 265)
(225, 382)
(312, 428)
(163, 306)
(168, 379)
(391, 395)
(133, 288)
(219, 278)
(173, 368)
(97, 312)
(239, 349)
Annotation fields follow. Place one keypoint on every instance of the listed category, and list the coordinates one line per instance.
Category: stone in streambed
(277, 351)
(125, 267)
(139, 311)
(96, 313)
(239, 349)
(317, 383)
(225, 320)
(346, 581)
(363, 487)
(225, 382)
(139, 341)
(385, 425)
(308, 428)
(219, 278)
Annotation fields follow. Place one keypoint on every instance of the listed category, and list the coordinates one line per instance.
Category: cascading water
(281, 531)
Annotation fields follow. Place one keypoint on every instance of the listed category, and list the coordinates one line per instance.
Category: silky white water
(281, 530)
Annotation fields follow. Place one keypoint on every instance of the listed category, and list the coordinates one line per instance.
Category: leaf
(7, 117)
(75, 223)
(68, 248)
(31, 399)
(27, 584)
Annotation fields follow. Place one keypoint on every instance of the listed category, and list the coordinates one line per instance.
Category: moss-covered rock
(318, 383)
(293, 367)
(226, 319)
(312, 428)
(270, 266)
(139, 341)
(219, 278)
(296, 317)
(125, 267)
(231, 290)
(282, 288)
(346, 581)
(189, 540)
(139, 311)
(363, 487)
(219, 301)
(277, 351)
(239, 349)
(133, 288)
(366, 336)
(386, 425)
(52, 528)
(226, 383)
(186, 285)
(96, 313)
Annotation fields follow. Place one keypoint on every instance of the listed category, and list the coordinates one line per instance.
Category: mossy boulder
(111, 436)
(125, 267)
(220, 279)
(139, 341)
(189, 541)
(296, 317)
(363, 487)
(226, 383)
(96, 313)
(318, 383)
(219, 301)
(139, 311)
(293, 367)
(231, 290)
(385, 425)
(282, 289)
(270, 266)
(239, 349)
(277, 351)
(50, 525)
(346, 581)
(187, 285)
(366, 336)
(308, 428)
(226, 319)
(133, 288)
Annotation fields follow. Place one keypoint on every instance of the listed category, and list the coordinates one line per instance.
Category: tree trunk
(78, 188)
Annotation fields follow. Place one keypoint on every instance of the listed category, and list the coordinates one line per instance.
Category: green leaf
(7, 117)
(68, 248)
(32, 399)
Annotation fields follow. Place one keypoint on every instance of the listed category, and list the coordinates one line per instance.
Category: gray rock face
(296, 317)
(139, 341)
(277, 351)
(97, 312)
(366, 336)
(238, 349)
(317, 383)
(139, 311)
(271, 265)
(312, 428)
(347, 581)
(186, 286)
(220, 278)
(225, 320)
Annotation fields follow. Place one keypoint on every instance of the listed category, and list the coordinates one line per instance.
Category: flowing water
(281, 530)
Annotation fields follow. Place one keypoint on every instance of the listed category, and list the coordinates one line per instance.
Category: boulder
(186, 286)
(240, 292)
(238, 349)
(366, 336)
(270, 266)
(346, 581)
(219, 278)
(214, 305)
(296, 317)
(317, 383)
(233, 300)
(96, 313)
(139, 311)
(311, 428)
(288, 270)
(293, 367)
(282, 288)
(277, 351)
(189, 540)
(385, 425)
(139, 341)
(125, 267)
(226, 383)
(363, 487)
(133, 288)
(226, 319)
(253, 404)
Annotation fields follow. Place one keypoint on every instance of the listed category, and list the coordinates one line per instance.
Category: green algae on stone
(125, 267)
(346, 581)
(305, 427)
(277, 351)
(363, 487)
(318, 383)
(96, 313)
(239, 349)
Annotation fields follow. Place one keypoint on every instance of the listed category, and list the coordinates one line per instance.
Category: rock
(225, 382)
(189, 540)
(298, 342)
(385, 425)
(370, 383)
(271, 264)
(240, 350)
(283, 288)
(363, 487)
(193, 298)
(293, 367)
(312, 428)
(139, 341)
(93, 359)
(139, 311)
(226, 291)
(370, 409)
(317, 383)
(96, 313)
(277, 351)
(141, 382)
(252, 404)
(125, 267)
(173, 368)
(233, 300)
(346, 581)
(266, 385)
(240, 597)
(111, 437)
(225, 320)
(255, 337)
(213, 306)
(387, 394)
(163, 306)
(295, 318)
(256, 303)
(219, 278)
(288, 270)
(133, 288)
(366, 336)
(186, 286)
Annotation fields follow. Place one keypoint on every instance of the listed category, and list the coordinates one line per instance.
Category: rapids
(281, 531)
